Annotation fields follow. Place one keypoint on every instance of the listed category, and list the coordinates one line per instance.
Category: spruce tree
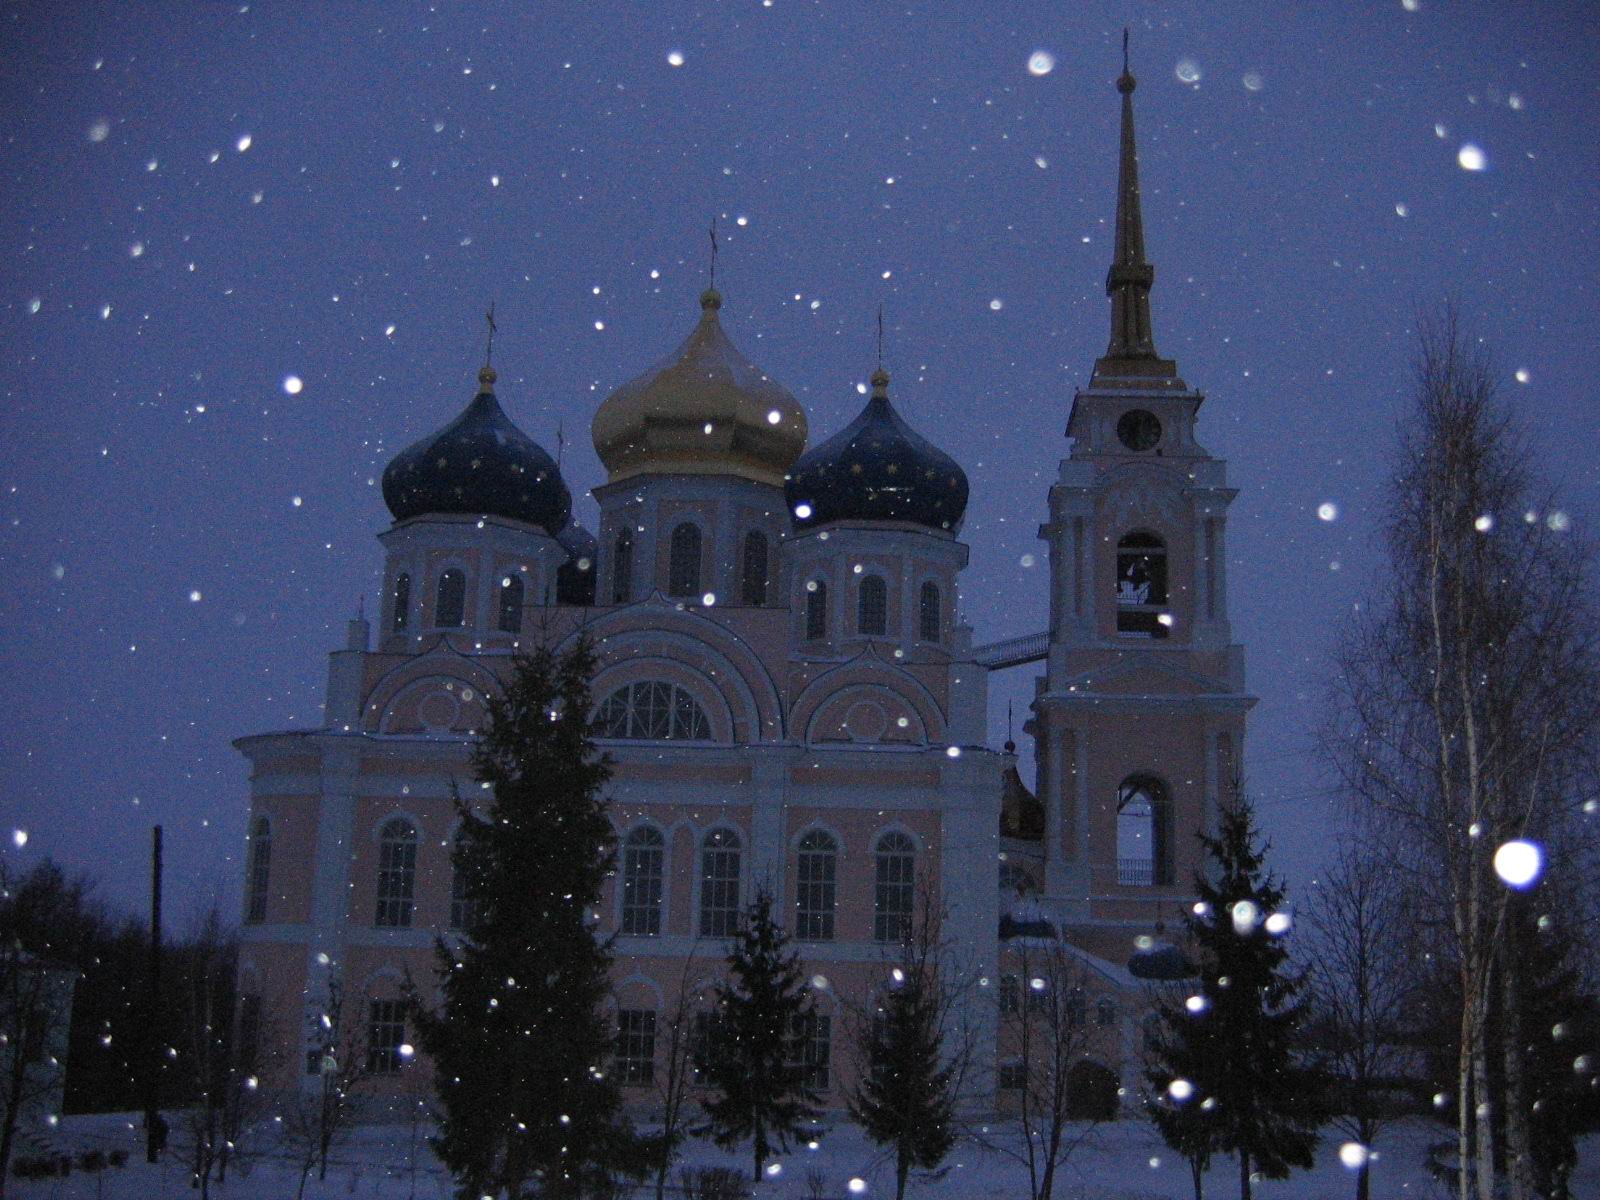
(521, 1044)
(905, 1099)
(1228, 1051)
(754, 1055)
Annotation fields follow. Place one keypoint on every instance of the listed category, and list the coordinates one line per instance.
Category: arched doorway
(1092, 1093)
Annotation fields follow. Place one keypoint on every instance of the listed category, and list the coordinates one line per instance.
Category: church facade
(791, 698)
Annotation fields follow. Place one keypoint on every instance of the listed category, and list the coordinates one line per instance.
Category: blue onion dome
(478, 465)
(575, 578)
(877, 468)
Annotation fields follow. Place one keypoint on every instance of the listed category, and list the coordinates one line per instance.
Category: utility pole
(153, 1123)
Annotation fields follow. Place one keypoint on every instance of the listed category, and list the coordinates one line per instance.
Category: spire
(711, 299)
(486, 375)
(1132, 350)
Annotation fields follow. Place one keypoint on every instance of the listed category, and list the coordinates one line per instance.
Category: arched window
(622, 568)
(719, 884)
(652, 711)
(511, 604)
(402, 602)
(816, 873)
(683, 563)
(255, 910)
(1143, 815)
(816, 610)
(450, 603)
(895, 892)
(397, 874)
(463, 905)
(642, 858)
(1142, 585)
(754, 575)
(872, 607)
(929, 612)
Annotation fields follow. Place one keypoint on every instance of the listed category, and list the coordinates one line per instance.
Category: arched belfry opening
(1144, 822)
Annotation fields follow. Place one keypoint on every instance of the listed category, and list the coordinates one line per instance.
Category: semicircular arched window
(754, 574)
(652, 711)
(683, 561)
(450, 600)
(643, 856)
(872, 607)
(1144, 857)
(816, 875)
(511, 592)
(1142, 585)
(260, 872)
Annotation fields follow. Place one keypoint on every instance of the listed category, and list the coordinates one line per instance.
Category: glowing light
(1041, 161)
(1036, 983)
(675, 58)
(1400, 209)
(1519, 863)
(1027, 560)
(194, 596)
(599, 324)
(774, 416)
(243, 143)
(1278, 923)
(1164, 620)
(1484, 523)
(1196, 1004)
(1522, 375)
(19, 838)
(296, 501)
(1041, 62)
(1353, 1155)
(1254, 81)
(1558, 521)
(803, 512)
(136, 250)
(996, 304)
(953, 752)
(708, 599)
(775, 1169)
(1245, 916)
(820, 982)
(1180, 1090)
(292, 384)
(898, 975)
(100, 130)
(1187, 71)
(1471, 157)
(857, 1186)
(406, 1051)
(1328, 511)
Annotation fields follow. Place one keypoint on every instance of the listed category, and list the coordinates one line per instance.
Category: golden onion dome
(706, 410)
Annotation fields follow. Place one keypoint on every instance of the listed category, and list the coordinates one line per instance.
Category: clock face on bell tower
(1139, 429)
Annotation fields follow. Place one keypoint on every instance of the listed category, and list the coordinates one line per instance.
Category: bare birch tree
(1465, 698)
(1360, 983)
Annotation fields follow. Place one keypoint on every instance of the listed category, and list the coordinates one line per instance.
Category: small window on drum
(754, 582)
(510, 604)
(402, 603)
(930, 612)
(1142, 586)
(872, 607)
(683, 561)
(622, 568)
(450, 601)
(816, 610)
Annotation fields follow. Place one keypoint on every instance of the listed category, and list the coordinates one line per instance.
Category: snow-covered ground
(1124, 1160)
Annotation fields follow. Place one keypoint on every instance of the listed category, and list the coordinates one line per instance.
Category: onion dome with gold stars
(877, 469)
(705, 410)
(479, 465)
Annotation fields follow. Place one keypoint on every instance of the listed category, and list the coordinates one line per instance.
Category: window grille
(816, 872)
(397, 875)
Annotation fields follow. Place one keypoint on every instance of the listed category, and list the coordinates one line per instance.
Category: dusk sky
(205, 200)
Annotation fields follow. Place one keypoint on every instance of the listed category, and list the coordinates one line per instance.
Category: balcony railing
(1136, 872)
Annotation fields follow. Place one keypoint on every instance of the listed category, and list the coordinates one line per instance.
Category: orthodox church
(791, 699)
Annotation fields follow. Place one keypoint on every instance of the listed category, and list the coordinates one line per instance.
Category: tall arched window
(397, 874)
(622, 568)
(719, 884)
(929, 612)
(816, 873)
(895, 892)
(816, 610)
(255, 910)
(450, 602)
(754, 575)
(683, 562)
(402, 602)
(652, 711)
(642, 860)
(463, 905)
(872, 607)
(1142, 585)
(511, 604)
(1143, 816)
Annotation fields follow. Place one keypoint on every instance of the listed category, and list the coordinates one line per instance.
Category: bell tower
(1139, 717)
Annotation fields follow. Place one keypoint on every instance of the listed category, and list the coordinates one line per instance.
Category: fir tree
(905, 1099)
(1226, 1054)
(754, 1055)
(521, 1044)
